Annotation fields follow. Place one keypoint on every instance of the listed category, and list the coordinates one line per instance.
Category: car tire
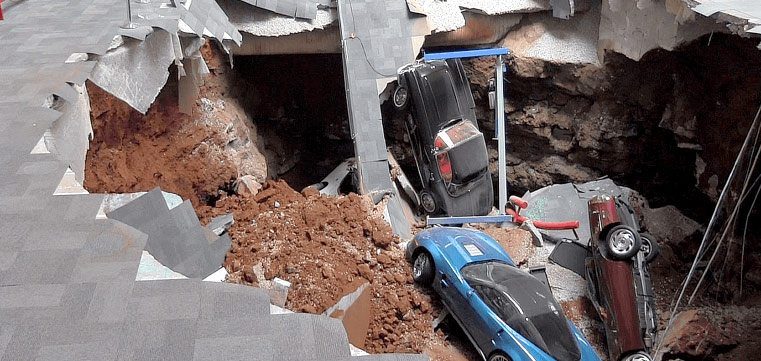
(400, 97)
(637, 356)
(422, 268)
(499, 356)
(649, 248)
(427, 202)
(623, 242)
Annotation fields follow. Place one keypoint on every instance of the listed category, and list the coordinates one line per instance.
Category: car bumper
(478, 200)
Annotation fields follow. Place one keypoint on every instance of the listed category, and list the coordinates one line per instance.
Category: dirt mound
(191, 155)
(326, 246)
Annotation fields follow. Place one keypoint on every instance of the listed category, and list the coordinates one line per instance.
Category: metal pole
(501, 137)
(129, 11)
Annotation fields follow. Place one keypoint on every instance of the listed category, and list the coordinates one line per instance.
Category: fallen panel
(69, 136)
(176, 238)
(748, 11)
(220, 224)
(257, 21)
(570, 255)
(559, 203)
(136, 71)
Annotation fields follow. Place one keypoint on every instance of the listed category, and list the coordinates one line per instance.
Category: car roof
(463, 246)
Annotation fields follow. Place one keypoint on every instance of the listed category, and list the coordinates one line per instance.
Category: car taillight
(439, 143)
(445, 166)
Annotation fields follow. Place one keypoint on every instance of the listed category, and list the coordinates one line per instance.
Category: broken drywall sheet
(443, 15)
(136, 71)
(256, 21)
(193, 70)
(206, 17)
(69, 136)
(198, 17)
(542, 36)
(633, 28)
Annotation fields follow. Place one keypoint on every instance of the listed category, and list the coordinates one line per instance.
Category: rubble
(326, 246)
(190, 155)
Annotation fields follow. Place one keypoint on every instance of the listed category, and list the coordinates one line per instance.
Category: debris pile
(726, 333)
(190, 155)
(327, 247)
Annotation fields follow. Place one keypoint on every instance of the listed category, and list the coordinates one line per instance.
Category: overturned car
(449, 150)
(618, 278)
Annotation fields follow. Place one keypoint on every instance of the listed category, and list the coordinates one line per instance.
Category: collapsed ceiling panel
(633, 28)
(304, 9)
(136, 71)
(447, 15)
(542, 36)
(260, 22)
(747, 14)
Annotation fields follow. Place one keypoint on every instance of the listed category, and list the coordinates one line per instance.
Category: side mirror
(492, 93)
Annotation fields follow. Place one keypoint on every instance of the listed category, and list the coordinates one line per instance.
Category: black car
(449, 149)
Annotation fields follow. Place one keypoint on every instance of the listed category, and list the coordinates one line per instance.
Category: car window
(454, 135)
(441, 87)
(525, 304)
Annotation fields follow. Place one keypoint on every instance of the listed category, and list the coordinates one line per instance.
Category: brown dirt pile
(191, 155)
(326, 246)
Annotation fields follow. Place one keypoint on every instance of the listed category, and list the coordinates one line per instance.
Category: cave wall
(669, 125)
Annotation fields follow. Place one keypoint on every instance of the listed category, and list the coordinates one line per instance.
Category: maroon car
(618, 279)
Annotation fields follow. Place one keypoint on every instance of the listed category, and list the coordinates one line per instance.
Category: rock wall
(669, 125)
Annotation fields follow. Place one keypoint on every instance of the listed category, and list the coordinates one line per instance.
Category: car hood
(462, 246)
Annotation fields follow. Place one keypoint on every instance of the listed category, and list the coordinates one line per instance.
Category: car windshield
(526, 305)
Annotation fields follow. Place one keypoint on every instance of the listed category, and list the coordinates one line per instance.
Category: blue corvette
(507, 313)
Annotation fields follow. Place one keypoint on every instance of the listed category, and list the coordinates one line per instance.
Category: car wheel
(427, 202)
(422, 268)
(637, 356)
(623, 242)
(499, 356)
(401, 97)
(649, 248)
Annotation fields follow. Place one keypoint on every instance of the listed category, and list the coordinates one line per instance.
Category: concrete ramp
(377, 37)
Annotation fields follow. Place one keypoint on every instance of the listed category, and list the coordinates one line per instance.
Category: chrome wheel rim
(421, 262)
(645, 247)
(639, 357)
(400, 96)
(623, 241)
(428, 203)
(499, 358)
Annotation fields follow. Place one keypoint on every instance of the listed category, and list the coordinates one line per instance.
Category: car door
(484, 327)
(460, 299)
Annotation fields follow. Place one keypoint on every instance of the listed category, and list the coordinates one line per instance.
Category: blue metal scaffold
(500, 130)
